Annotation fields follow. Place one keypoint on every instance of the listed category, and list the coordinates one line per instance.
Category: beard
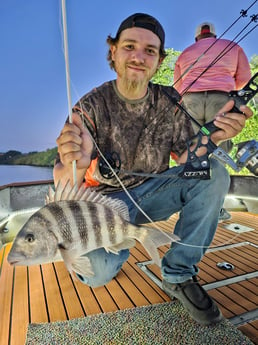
(133, 84)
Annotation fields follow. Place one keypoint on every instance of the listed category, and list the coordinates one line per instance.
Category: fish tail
(143, 237)
(152, 238)
(159, 237)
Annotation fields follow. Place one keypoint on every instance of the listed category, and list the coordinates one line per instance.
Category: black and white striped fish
(74, 223)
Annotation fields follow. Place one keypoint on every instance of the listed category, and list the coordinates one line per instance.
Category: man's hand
(74, 143)
(230, 123)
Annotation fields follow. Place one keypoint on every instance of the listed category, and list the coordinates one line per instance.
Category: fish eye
(30, 238)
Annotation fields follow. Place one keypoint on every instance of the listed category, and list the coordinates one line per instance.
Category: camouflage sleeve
(87, 110)
(183, 132)
(85, 107)
(182, 126)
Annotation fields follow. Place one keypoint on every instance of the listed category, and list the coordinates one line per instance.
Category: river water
(24, 173)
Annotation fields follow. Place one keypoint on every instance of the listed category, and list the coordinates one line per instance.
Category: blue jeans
(199, 203)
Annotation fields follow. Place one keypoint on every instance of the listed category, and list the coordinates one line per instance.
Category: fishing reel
(114, 162)
(247, 156)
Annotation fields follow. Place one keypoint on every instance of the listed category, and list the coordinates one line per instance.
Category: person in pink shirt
(205, 73)
(224, 65)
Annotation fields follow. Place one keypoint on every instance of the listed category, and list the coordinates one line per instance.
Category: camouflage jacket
(142, 132)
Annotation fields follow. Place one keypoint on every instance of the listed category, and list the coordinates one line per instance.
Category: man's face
(136, 57)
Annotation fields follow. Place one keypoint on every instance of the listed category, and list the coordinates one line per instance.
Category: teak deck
(47, 293)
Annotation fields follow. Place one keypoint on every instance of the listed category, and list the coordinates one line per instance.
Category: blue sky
(33, 98)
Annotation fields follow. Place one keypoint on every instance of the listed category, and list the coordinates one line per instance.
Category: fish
(74, 222)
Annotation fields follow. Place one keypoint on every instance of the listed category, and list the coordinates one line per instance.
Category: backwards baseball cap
(205, 28)
(145, 21)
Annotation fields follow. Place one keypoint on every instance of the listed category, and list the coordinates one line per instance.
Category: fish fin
(80, 265)
(58, 192)
(151, 239)
(75, 193)
(50, 196)
(47, 201)
(161, 238)
(4, 222)
(115, 204)
(111, 250)
(126, 244)
(69, 192)
(66, 256)
(63, 193)
(142, 235)
(151, 248)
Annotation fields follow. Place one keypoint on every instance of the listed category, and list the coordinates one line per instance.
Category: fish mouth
(14, 261)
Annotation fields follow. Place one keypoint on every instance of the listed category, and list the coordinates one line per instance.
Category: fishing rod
(68, 87)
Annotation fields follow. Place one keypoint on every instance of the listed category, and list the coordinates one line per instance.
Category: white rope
(67, 70)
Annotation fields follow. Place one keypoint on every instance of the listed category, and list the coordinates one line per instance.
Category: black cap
(145, 21)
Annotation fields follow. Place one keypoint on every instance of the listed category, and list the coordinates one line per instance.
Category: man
(134, 122)
(204, 91)
(205, 73)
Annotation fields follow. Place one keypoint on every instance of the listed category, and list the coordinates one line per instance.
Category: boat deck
(47, 293)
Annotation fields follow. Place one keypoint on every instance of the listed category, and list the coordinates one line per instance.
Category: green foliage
(251, 128)
(254, 64)
(45, 158)
(8, 156)
(165, 73)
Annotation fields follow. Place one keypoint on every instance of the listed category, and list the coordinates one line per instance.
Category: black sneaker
(195, 299)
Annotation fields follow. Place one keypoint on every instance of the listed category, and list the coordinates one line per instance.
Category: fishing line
(67, 72)
(82, 106)
(132, 199)
(68, 83)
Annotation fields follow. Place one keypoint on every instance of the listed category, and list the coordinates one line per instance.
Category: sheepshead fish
(74, 223)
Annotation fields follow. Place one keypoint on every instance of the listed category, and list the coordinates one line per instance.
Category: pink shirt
(231, 72)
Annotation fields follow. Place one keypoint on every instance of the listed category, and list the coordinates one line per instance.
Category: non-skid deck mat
(159, 324)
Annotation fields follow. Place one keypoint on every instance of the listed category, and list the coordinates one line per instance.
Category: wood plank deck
(47, 293)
